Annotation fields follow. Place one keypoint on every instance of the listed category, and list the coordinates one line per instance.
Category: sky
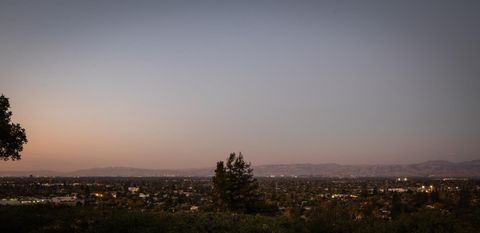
(181, 84)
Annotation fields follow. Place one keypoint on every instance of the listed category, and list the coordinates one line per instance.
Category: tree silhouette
(234, 187)
(12, 136)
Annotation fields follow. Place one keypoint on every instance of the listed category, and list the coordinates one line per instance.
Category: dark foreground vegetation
(79, 219)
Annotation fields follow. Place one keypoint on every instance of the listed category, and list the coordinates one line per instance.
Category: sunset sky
(180, 84)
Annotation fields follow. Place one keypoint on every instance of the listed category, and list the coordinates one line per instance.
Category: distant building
(133, 189)
(398, 190)
(68, 200)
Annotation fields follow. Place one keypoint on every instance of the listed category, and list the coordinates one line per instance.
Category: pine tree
(234, 187)
(219, 186)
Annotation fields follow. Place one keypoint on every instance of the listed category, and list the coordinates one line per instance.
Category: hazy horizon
(213, 166)
(181, 84)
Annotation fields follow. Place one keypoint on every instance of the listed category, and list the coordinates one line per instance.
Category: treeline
(43, 219)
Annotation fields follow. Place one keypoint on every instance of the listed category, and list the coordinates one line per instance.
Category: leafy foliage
(43, 219)
(12, 136)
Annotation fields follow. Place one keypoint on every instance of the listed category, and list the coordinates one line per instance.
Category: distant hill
(437, 168)
(426, 169)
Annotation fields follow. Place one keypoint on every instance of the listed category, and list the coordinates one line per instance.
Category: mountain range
(438, 168)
